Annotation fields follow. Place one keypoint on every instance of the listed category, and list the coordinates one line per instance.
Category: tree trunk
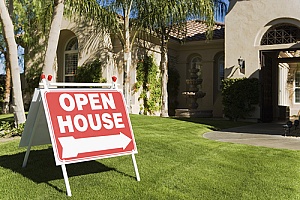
(127, 60)
(49, 65)
(164, 77)
(9, 37)
(6, 99)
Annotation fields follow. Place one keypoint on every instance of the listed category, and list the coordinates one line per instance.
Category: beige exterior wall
(207, 50)
(93, 45)
(246, 23)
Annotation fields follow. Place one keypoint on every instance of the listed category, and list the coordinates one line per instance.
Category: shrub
(9, 129)
(90, 73)
(149, 80)
(239, 96)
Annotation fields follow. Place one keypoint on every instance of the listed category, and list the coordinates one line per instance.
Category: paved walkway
(261, 134)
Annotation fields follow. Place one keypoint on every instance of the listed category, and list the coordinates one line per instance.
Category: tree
(9, 36)
(89, 8)
(126, 28)
(6, 98)
(160, 16)
(50, 55)
(165, 17)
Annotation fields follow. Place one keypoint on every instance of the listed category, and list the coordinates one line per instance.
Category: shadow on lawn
(275, 128)
(41, 167)
(214, 124)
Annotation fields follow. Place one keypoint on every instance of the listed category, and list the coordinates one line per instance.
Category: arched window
(220, 65)
(281, 34)
(71, 60)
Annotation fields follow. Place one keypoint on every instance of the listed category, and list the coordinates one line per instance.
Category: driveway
(260, 134)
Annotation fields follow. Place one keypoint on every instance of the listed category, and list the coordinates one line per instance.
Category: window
(220, 64)
(282, 34)
(297, 87)
(71, 60)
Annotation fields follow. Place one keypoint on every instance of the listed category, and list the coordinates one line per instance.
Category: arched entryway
(277, 65)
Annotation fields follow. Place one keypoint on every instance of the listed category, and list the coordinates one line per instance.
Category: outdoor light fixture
(241, 63)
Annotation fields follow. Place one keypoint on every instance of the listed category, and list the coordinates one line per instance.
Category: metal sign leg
(64, 171)
(26, 156)
(32, 136)
(135, 167)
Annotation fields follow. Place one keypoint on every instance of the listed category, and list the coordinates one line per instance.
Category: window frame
(296, 85)
(70, 50)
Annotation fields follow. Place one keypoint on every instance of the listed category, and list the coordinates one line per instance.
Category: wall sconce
(241, 63)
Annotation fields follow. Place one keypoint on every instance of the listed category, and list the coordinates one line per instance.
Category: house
(266, 35)
(260, 39)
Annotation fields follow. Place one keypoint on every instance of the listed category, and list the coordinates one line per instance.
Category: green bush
(90, 73)
(239, 97)
(8, 129)
(148, 78)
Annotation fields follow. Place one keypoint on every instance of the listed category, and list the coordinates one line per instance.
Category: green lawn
(174, 161)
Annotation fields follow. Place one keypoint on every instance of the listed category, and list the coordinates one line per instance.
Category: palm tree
(9, 36)
(125, 25)
(163, 17)
(7, 87)
(57, 17)
(88, 8)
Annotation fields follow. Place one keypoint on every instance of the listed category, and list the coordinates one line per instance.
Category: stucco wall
(91, 45)
(207, 51)
(246, 23)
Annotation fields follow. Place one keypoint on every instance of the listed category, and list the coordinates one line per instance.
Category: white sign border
(52, 135)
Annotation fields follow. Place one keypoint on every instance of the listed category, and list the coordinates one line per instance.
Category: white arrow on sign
(72, 147)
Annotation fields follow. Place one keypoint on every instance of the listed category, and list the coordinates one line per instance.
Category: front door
(267, 95)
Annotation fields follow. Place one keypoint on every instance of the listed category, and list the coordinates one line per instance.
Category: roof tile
(196, 30)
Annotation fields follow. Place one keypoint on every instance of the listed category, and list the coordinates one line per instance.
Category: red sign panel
(87, 124)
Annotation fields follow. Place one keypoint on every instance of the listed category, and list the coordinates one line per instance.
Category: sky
(219, 18)
(20, 58)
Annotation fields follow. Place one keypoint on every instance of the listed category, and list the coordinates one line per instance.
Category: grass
(174, 161)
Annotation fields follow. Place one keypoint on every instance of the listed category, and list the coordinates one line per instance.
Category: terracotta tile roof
(196, 31)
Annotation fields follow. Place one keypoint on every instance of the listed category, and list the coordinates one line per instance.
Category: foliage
(5, 128)
(9, 129)
(239, 96)
(90, 73)
(2, 89)
(166, 17)
(173, 88)
(32, 20)
(17, 130)
(148, 78)
(32, 78)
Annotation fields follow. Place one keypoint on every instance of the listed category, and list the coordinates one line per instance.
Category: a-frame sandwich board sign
(81, 124)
